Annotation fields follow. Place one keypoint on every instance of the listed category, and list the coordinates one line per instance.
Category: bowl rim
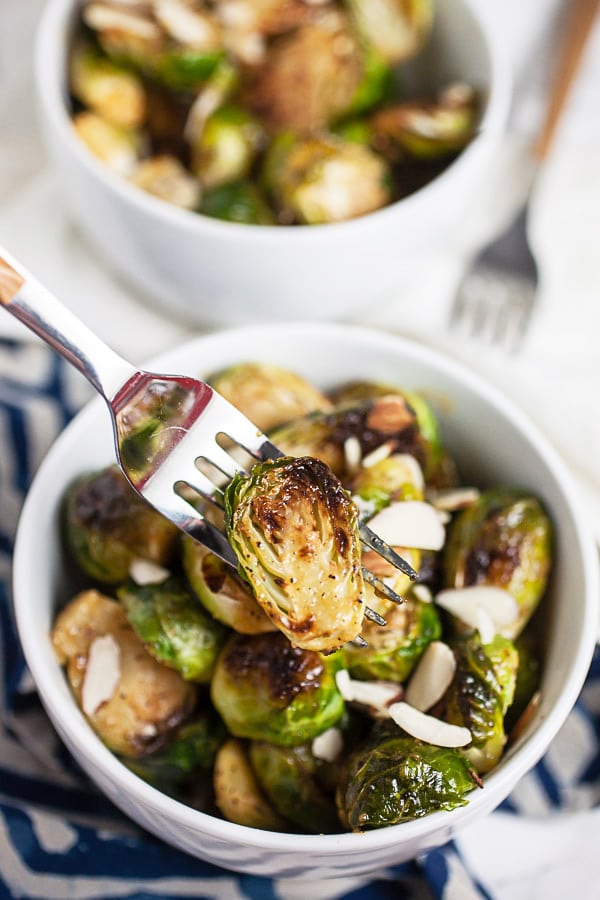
(499, 781)
(48, 62)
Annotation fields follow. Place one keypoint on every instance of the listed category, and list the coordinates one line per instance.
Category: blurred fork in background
(496, 297)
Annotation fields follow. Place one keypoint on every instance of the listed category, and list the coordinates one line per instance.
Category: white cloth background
(555, 378)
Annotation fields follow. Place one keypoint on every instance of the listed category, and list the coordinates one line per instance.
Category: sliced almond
(186, 25)
(377, 455)
(352, 454)
(102, 673)
(328, 745)
(432, 676)
(410, 524)
(376, 694)
(103, 17)
(485, 625)
(422, 593)
(466, 603)
(144, 572)
(428, 728)
(454, 499)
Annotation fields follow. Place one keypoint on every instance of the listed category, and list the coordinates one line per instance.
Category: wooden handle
(10, 282)
(580, 18)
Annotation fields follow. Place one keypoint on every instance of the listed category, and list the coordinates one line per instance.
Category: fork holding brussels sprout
(286, 112)
(246, 693)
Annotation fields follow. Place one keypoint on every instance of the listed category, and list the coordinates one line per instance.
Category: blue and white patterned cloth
(59, 838)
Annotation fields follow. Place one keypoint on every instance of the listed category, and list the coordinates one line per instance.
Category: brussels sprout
(393, 651)
(475, 700)
(166, 178)
(265, 689)
(107, 89)
(504, 657)
(528, 676)
(221, 592)
(395, 28)
(107, 525)
(425, 131)
(116, 147)
(503, 539)
(123, 33)
(375, 84)
(237, 792)
(395, 778)
(148, 701)
(325, 179)
(264, 17)
(356, 131)
(287, 775)
(174, 628)
(389, 480)
(239, 201)
(269, 395)
(226, 147)
(191, 748)
(295, 533)
(185, 69)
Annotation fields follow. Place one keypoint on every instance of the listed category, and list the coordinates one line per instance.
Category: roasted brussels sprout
(107, 89)
(528, 676)
(237, 792)
(395, 778)
(226, 147)
(504, 657)
(117, 147)
(132, 702)
(166, 178)
(395, 28)
(325, 179)
(288, 776)
(504, 539)
(238, 201)
(265, 689)
(269, 395)
(295, 533)
(221, 592)
(393, 651)
(264, 17)
(107, 525)
(173, 626)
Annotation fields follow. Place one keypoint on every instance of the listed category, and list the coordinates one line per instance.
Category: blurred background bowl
(493, 443)
(207, 271)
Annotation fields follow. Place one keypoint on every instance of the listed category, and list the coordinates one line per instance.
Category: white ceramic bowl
(210, 271)
(494, 444)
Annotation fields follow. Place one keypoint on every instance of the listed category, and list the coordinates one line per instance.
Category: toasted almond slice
(411, 523)
(102, 673)
(485, 625)
(188, 26)
(328, 745)
(144, 572)
(432, 676)
(376, 694)
(428, 728)
(465, 603)
(454, 499)
(422, 593)
(377, 455)
(103, 17)
(352, 454)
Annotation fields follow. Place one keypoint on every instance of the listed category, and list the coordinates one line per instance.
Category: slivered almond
(411, 523)
(102, 673)
(188, 26)
(352, 454)
(466, 603)
(485, 625)
(103, 17)
(328, 745)
(377, 455)
(144, 572)
(376, 694)
(428, 728)
(432, 676)
(454, 499)
(422, 593)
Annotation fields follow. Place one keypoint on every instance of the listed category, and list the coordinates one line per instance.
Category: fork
(180, 419)
(497, 294)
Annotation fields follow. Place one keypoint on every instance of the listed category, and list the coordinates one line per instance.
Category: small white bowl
(494, 444)
(210, 271)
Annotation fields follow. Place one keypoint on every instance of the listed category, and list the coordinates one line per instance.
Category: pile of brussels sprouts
(264, 111)
(191, 672)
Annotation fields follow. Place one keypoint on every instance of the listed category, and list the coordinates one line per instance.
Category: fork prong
(381, 586)
(374, 542)
(222, 460)
(374, 616)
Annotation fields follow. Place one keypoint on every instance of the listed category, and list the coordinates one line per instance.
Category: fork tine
(381, 586)
(374, 616)
(223, 461)
(374, 542)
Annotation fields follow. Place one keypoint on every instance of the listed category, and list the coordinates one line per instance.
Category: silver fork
(497, 294)
(164, 426)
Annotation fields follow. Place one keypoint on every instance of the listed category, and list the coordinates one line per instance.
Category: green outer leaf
(186, 69)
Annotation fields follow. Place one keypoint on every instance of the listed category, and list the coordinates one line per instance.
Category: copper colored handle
(10, 282)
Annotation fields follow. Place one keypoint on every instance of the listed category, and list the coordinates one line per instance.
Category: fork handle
(577, 27)
(26, 299)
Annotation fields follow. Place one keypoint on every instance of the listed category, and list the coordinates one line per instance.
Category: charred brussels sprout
(397, 778)
(528, 677)
(269, 395)
(265, 689)
(393, 651)
(174, 628)
(109, 90)
(504, 657)
(395, 28)
(226, 147)
(221, 592)
(238, 794)
(295, 533)
(288, 776)
(238, 201)
(503, 539)
(107, 525)
(166, 178)
(117, 147)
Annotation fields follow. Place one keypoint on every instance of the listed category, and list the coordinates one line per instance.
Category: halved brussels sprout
(238, 201)
(295, 533)
(389, 480)
(395, 778)
(265, 689)
(221, 591)
(287, 775)
(115, 146)
(238, 794)
(374, 86)
(503, 539)
(269, 395)
(174, 627)
(106, 88)
(226, 147)
(107, 525)
(148, 700)
(528, 676)
(394, 650)
(397, 29)
(504, 657)
(166, 178)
